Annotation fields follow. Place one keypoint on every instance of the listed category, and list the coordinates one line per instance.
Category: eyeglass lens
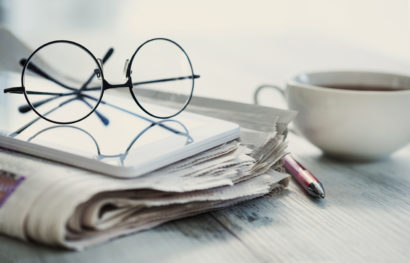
(60, 82)
(161, 66)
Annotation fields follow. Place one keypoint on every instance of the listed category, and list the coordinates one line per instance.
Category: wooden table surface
(364, 218)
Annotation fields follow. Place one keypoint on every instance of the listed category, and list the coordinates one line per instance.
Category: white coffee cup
(347, 123)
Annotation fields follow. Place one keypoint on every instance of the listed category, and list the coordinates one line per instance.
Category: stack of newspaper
(60, 205)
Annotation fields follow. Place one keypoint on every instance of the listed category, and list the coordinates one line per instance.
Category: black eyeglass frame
(105, 84)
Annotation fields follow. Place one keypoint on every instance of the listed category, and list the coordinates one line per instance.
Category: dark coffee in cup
(362, 88)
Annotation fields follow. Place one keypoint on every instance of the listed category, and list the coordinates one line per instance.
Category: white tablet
(132, 143)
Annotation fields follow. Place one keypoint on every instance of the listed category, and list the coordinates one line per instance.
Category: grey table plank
(199, 238)
(364, 218)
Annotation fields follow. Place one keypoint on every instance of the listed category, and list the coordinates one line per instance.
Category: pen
(305, 178)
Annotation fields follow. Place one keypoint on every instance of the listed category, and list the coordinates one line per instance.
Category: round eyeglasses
(63, 72)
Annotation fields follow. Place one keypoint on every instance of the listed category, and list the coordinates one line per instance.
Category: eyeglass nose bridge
(106, 85)
(126, 84)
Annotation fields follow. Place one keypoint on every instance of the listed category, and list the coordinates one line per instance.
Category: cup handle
(282, 92)
(266, 86)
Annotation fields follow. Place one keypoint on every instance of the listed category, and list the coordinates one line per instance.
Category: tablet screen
(119, 134)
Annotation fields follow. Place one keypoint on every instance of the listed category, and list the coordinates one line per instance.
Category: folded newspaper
(60, 205)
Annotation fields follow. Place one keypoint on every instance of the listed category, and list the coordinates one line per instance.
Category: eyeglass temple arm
(35, 69)
(166, 80)
(32, 67)
(19, 90)
(38, 118)
(103, 119)
(16, 90)
(148, 82)
(26, 108)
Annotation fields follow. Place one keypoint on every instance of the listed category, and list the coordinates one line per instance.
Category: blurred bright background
(234, 45)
